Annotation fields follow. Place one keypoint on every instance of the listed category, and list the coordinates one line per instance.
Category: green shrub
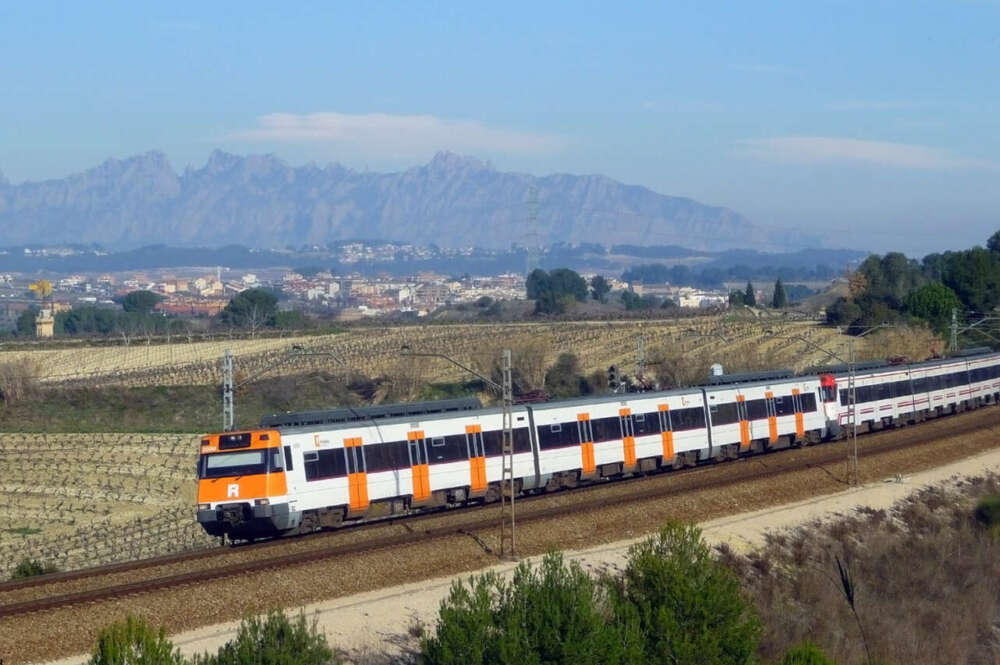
(32, 567)
(134, 642)
(806, 654)
(683, 605)
(273, 640)
(549, 614)
(988, 511)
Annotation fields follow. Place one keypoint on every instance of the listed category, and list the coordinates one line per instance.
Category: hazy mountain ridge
(260, 200)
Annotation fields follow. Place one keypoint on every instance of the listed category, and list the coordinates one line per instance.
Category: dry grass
(18, 379)
(925, 577)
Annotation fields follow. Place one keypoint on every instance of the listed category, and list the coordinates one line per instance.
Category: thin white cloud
(826, 149)
(396, 134)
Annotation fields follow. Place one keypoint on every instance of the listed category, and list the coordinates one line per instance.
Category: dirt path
(381, 620)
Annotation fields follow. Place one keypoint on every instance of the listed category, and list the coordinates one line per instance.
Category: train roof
(869, 365)
(355, 414)
(976, 351)
(612, 397)
(749, 377)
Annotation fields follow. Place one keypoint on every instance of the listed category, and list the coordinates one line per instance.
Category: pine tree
(750, 296)
(779, 299)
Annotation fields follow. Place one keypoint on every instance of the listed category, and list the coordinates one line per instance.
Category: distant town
(368, 279)
(205, 292)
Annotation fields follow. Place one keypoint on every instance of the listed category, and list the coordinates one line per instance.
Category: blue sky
(875, 123)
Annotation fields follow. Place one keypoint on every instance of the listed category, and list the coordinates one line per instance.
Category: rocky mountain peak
(262, 201)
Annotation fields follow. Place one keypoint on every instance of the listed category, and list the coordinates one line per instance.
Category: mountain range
(452, 201)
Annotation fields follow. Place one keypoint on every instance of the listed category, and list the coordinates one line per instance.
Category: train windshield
(242, 463)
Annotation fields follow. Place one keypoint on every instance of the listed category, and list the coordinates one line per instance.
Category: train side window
(724, 414)
(438, 442)
(606, 429)
(288, 458)
(647, 423)
(756, 409)
(555, 428)
(780, 409)
(522, 440)
(808, 401)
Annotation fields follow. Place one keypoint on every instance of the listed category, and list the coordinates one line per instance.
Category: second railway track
(533, 509)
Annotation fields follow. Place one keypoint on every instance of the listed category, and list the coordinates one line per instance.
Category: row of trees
(713, 278)
(893, 287)
(748, 297)
(251, 310)
(555, 290)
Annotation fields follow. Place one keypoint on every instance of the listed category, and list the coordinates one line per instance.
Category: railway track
(534, 508)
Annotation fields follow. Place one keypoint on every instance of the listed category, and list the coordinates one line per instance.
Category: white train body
(298, 478)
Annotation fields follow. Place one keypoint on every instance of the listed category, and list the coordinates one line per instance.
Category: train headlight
(262, 502)
(204, 506)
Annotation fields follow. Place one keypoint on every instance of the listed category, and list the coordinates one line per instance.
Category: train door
(772, 416)
(743, 414)
(357, 474)
(477, 458)
(800, 427)
(666, 432)
(627, 427)
(291, 472)
(586, 433)
(416, 449)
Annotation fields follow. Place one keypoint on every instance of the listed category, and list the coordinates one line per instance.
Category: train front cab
(242, 489)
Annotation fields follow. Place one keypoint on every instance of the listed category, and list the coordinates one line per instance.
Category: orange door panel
(358, 485)
(587, 457)
(744, 422)
(800, 428)
(666, 434)
(421, 482)
(668, 446)
(629, 444)
(477, 458)
(418, 465)
(628, 436)
(586, 435)
(357, 474)
(772, 420)
(477, 473)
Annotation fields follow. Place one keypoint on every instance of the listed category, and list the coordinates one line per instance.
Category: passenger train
(300, 472)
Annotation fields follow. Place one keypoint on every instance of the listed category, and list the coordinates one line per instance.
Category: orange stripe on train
(243, 488)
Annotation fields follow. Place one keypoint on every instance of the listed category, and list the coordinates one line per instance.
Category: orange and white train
(301, 472)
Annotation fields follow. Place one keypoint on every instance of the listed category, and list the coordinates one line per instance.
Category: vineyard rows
(96, 498)
(376, 351)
